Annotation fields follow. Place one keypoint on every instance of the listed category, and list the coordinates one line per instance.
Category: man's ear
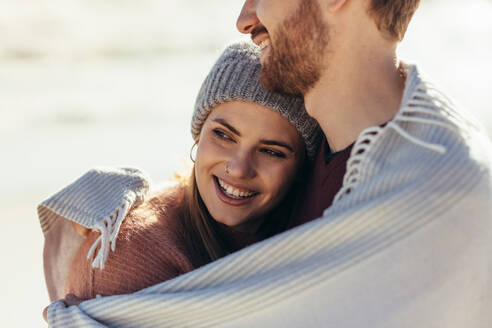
(335, 5)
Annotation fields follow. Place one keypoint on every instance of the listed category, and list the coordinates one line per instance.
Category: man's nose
(247, 19)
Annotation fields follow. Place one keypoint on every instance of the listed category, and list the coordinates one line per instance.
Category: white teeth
(264, 44)
(233, 192)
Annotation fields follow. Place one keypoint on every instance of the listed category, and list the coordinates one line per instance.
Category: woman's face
(246, 160)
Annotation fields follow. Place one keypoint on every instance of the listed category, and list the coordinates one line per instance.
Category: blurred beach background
(112, 82)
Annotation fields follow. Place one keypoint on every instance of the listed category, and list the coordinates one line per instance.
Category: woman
(251, 145)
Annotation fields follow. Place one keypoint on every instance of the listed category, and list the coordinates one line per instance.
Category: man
(403, 184)
(341, 56)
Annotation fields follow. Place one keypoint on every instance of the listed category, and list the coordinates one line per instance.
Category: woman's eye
(273, 153)
(221, 134)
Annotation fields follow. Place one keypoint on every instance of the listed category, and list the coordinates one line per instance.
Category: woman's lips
(230, 199)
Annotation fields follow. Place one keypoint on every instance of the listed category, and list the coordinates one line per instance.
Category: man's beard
(295, 61)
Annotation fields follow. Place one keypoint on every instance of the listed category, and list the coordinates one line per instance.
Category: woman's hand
(80, 230)
(69, 300)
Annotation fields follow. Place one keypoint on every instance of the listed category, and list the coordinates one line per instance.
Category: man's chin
(270, 76)
(275, 82)
(267, 82)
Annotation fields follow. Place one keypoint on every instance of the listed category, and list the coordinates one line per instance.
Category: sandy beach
(95, 83)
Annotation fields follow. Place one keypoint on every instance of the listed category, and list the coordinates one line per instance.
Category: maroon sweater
(325, 179)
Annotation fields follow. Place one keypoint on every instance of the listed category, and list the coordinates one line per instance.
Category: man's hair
(393, 16)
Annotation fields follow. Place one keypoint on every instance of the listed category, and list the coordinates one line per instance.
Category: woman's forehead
(251, 118)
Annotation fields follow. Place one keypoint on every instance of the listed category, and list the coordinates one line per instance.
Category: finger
(80, 230)
(45, 314)
(71, 299)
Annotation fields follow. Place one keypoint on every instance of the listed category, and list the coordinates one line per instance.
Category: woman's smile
(233, 195)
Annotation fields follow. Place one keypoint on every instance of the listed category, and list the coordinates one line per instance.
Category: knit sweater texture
(149, 251)
(406, 243)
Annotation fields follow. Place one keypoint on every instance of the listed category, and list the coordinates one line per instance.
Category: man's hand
(69, 300)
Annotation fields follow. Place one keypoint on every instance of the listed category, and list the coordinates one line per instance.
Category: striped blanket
(407, 243)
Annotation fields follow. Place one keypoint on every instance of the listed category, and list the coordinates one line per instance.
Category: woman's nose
(240, 168)
(247, 19)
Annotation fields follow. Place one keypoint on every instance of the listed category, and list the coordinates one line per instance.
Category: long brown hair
(201, 232)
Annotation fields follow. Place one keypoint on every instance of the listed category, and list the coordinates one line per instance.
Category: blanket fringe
(109, 228)
(419, 104)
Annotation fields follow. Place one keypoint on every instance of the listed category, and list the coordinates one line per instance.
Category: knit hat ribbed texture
(235, 76)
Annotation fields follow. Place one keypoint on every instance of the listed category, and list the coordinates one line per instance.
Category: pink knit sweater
(149, 249)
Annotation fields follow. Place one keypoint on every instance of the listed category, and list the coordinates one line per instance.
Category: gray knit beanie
(235, 76)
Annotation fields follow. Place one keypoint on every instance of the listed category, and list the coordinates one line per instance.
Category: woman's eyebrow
(265, 142)
(227, 125)
(277, 143)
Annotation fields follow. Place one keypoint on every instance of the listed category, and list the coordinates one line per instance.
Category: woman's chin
(229, 220)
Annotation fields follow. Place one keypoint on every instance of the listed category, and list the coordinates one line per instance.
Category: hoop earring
(193, 151)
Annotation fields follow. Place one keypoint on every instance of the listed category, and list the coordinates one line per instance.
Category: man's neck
(358, 92)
